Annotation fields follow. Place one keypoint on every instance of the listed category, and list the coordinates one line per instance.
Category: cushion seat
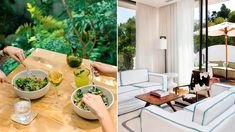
(136, 82)
(126, 93)
(146, 84)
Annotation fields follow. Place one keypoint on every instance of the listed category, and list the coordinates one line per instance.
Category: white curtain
(147, 25)
(176, 22)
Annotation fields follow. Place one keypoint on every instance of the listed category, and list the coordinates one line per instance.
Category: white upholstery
(217, 88)
(191, 107)
(133, 76)
(136, 82)
(208, 110)
(146, 84)
(130, 105)
(154, 118)
(126, 93)
(148, 89)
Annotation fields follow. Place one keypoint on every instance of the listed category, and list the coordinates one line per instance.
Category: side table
(170, 80)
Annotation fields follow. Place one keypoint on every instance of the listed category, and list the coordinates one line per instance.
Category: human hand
(104, 69)
(95, 105)
(3, 77)
(15, 53)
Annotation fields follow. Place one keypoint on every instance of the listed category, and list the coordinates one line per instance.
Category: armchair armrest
(160, 78)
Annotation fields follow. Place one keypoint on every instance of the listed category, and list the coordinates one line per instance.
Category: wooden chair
(199, 82)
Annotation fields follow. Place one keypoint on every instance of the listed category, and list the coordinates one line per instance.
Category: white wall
(217, 53)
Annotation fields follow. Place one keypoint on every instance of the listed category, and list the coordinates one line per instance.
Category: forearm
(107, 123)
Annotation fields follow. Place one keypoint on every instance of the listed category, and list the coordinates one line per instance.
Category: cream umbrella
(223, 29)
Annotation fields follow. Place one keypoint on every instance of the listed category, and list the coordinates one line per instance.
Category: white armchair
(136, 82)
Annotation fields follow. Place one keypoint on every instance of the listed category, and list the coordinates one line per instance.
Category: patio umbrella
(223, 29)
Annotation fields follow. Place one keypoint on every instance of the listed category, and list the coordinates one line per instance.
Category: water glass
(22, 109)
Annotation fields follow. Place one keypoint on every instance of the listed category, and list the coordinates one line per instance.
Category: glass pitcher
(82, 77)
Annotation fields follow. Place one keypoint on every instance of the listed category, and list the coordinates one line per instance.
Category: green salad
(93, 90)
(31, 84)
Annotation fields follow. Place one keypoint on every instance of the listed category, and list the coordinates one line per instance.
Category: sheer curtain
(147, 25)
(176, 23)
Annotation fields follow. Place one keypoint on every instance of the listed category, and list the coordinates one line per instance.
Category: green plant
(231, 17)
(90, 27)
(126, 44)
(93, 24)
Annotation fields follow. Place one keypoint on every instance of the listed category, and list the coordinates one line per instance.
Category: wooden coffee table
(153, 100)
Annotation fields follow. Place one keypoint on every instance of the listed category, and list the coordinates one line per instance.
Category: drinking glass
(22, 109)
(55, 78)
(82, 77)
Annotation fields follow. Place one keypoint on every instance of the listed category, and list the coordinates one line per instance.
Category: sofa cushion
(149, 89)
(133, 76)
(130, 105)
(232, 65)
(126, 93)
(207, 111)
(220, 63)
(146, 84)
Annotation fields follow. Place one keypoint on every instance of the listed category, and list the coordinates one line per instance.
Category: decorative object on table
(159, 93)
(28, 88)
(74, 59)
(55, 78)
(199, 82)
(81, 109)
(163, 45)
(81, 77)
(22, 111)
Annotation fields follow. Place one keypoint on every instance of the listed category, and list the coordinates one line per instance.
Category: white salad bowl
(88, 114)
(31, 94)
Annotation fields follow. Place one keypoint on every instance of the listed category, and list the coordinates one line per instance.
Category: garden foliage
(90, 26)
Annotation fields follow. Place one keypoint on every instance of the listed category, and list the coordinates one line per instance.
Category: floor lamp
(163, 45)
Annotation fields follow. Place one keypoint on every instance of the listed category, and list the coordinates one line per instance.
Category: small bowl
(31, 94)
(87, 114)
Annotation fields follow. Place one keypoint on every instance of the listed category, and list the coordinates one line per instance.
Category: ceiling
(159, 3)
(156, 3)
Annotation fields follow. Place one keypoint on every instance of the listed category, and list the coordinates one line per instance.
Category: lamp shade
(162, 43)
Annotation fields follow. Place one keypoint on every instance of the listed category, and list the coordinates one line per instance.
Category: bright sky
(216, 7)
(124, 14)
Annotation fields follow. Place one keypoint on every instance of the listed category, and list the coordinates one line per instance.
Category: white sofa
(136, 82)
(214, 114)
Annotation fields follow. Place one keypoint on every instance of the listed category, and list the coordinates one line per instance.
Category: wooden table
(50, 119)
(153, 100)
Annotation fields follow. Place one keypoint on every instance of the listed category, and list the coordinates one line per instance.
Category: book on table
(159, 93)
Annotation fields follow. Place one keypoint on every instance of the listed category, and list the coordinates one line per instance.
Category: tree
(213, 16)
(126, 44)
(231, 17)
(224, 11)
(219, 20)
